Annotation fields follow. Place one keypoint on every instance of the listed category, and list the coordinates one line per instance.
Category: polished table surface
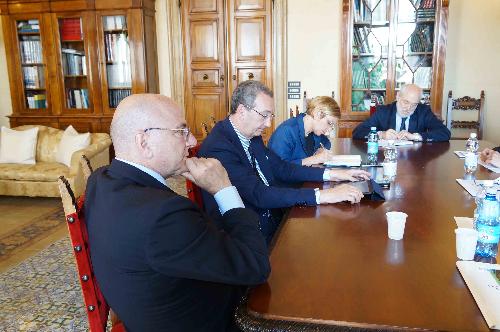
(334, 266)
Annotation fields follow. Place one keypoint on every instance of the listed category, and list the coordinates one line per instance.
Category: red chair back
(95, 303)
(193, 191)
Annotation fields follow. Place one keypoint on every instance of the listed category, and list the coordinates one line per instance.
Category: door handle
(205, 77)
(234, 77)
(250, 76)
(222, 80)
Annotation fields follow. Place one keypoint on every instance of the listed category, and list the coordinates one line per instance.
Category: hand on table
(348, 175)
(207, 173)
(406, 135)
(343, 192)
(491, 157)
(388, 134)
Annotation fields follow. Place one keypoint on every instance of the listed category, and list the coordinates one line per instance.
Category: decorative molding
(280, 60)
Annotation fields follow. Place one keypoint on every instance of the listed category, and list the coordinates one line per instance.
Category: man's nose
(191, 141)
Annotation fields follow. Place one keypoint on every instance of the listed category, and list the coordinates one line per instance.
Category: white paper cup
(466, 242)
(396, 224)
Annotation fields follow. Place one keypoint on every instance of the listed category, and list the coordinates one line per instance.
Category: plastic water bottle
(372, 146)
(488, 223)
(390, 161)
(471, 156)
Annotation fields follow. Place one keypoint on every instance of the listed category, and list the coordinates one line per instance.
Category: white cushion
(18, 146)
(71, 142)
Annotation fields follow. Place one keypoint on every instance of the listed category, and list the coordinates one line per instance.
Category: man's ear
(142, 145)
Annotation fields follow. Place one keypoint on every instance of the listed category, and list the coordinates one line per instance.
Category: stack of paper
(490, 167)
(483, 281)
(344, 160)
(460, 154)
(473, 186)
(400, 142)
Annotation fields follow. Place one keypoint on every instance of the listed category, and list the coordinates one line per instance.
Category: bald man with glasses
(406, 118)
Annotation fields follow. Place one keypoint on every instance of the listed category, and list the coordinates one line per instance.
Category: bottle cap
(473, 135)
(373, 128)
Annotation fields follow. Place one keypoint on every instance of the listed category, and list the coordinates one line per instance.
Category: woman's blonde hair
(327, 104)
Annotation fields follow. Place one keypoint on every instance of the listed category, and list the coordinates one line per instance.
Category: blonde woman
(304, 139)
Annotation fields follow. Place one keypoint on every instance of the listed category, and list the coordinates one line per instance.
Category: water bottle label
(488, 234)
(489, 210)
(471, 159)
(372, 147)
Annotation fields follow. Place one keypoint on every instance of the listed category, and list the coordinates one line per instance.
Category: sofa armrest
(90, 151)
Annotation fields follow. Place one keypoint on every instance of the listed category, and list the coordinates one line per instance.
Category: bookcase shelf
(58, 48)
(388, 43)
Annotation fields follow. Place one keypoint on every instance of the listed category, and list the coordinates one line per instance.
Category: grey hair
(246, 93)
(405, 87)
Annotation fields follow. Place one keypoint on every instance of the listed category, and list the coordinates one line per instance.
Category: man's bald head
(411, 90)
(408, 99)
(136, 113)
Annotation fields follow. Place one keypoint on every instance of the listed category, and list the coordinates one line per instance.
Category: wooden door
(249, 41)
(204, 57)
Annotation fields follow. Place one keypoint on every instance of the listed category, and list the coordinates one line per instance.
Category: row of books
(70, 29)
(425, 4)
(33, 77)
(426, 14)
(77, 98)
(119, 75)
(359, 78)
(117, 47)
(115, 96)
(28, 26)
(31, 49)
(38, 100)
(114, 22)
(362, 13)
(73, 62)
(423, 77)
(422, 39)
(361, 41)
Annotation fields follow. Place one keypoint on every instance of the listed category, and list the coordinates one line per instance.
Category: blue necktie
(403, 124)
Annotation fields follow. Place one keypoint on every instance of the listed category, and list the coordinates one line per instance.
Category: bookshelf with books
(74, 60)
(388, 43)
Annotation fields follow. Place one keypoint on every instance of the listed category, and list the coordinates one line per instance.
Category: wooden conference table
(334, 268)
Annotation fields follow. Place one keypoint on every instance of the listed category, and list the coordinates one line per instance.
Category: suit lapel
(259, 151)
(392, 117)
(413, 125)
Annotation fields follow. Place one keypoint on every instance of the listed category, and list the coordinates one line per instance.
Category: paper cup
(396, 224)
(466, 241)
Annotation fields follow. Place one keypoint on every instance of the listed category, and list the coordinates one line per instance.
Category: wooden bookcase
(388, 43)
(70, 62)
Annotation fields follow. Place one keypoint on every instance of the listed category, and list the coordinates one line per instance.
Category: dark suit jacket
(223, 144)
(289, 142)
(422, 121)
(160, 263)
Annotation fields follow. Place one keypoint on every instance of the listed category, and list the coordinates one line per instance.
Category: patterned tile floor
(42, 293)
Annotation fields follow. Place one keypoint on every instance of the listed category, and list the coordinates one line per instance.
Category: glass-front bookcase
(32, 64)
(389, 43)
(117, 54)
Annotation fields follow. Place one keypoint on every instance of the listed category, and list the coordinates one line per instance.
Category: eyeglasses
(407, 103)
(265, 116)
(184, 132)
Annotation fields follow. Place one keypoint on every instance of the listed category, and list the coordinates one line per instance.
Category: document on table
(490, 167)
(383, 142)
(473, 186)
(344, 160)
(483, 281)
(460, 154)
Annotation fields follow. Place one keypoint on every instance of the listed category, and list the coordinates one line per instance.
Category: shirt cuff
(316, 194)
(326, 175)
(228, 198)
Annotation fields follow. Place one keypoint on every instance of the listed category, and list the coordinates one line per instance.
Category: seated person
(490, 156)
(257, 172)
(160, 263)
(406, 118)
(303, 140)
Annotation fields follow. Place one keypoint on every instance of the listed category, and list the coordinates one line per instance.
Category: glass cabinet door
(74, 63)
(32, 63)
(117, 57)
(370, 47)
(414, 44)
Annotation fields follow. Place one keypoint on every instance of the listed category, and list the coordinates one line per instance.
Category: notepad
(400, 142)
(483, 281)
(348, 160)
(460, 154)
(473, 186)
(490, 167)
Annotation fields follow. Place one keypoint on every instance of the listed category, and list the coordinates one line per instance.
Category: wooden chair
(95, 303)
(465, 104)
(204, 130)
(193, 191)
